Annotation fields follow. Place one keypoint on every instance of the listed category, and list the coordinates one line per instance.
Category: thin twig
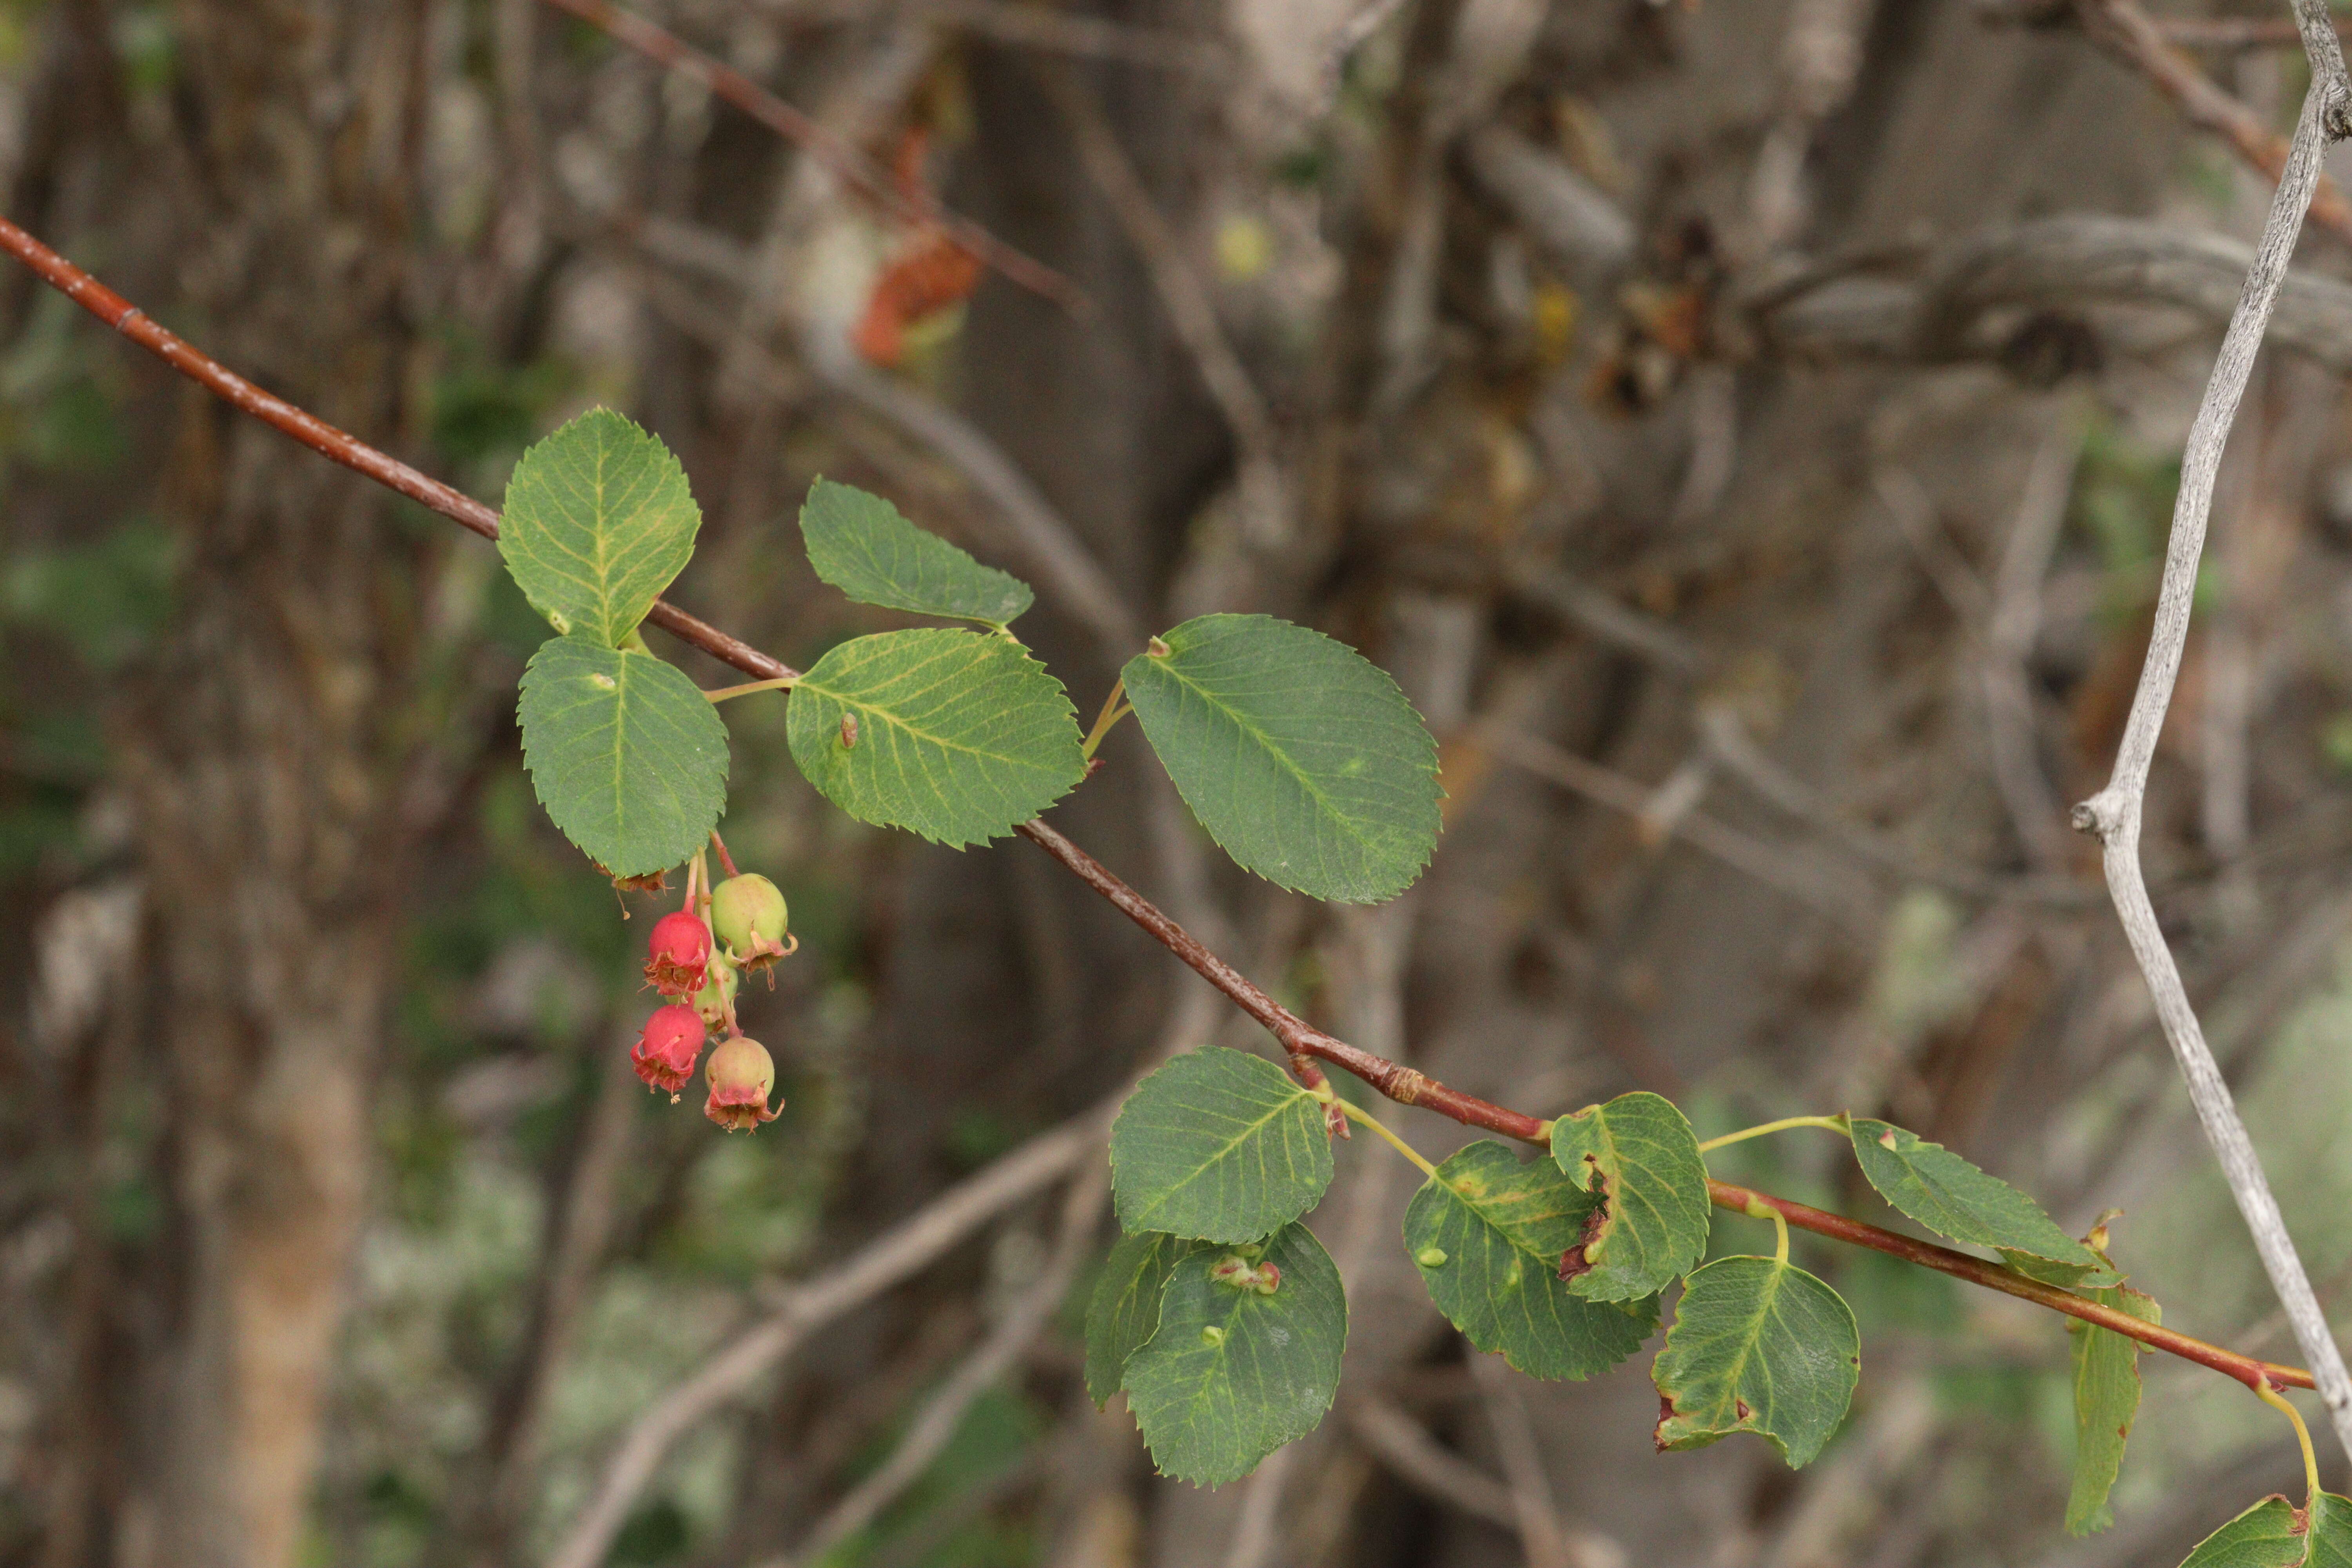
(2113, 815)
(1612, 622)
(2245, 1369)
(1039, 27)
(1295, 1036)
(1967, 303)
(2325, 51)
(1191, 311)
(1542, 1538)
(852, 166)
(1257, 1534)
(2236, 32)
(796, 1310)
(2010, 634)
(1773, 867)
(327, 441)
(1728, 742)
(1422, 1463)
(2132, 36)
(1005, 1344)
(575, 1248)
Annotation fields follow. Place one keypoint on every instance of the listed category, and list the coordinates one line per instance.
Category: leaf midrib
(1231, 1144)
(1952, 1203)
(895, 722)
(1322, 800)
(1755, 1337)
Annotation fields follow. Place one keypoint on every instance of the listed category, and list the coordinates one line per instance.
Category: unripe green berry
(749, 914)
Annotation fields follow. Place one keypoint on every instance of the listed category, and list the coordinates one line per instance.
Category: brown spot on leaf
(1741, 1406)
(1573, 1262)
(1665, 1414)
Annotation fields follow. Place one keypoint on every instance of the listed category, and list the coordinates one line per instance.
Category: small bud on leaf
(740, 1073)
(666, 1053)
(679, 946)
(1211, 1335)
(1430, 1257)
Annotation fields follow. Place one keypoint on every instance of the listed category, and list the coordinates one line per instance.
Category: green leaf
(959, 736)
(1300, 755)
(1218, 1144)
(1952, 1197)
(1488, 1233)
(2106, 1397)
(863, 546)
(1756, 1346)
(598, 521)
(629, 758)
(1125, 1311)
(1233, 1374)
(1639, 1154)
(2269, 1535)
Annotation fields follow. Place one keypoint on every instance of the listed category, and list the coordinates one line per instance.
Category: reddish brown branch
(2133, 37)
(673, 53)
(1993, 1276)
(1297, 1037)
(327, 441)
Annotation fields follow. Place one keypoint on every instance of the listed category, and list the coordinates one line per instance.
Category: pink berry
(740, 1073)
(666, 1053)
(681, 947)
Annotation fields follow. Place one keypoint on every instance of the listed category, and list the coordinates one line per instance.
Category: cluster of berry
(698, 955)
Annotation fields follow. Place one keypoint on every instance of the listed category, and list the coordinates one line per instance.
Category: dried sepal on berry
(749, 916)
(651, 882)
(666, 1053)
(740, 1073)
(679, 952)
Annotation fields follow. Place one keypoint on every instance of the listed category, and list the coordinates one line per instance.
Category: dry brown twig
(1953, 310)
(1005, 1344)
(2132, 36)
(1039, 27)
(2236, 32)
(2010, 633)
(796, 1310)
(1548, 1540)
(1418, 1459)
(1192, 311)
(2113, 815)
(847, 163)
